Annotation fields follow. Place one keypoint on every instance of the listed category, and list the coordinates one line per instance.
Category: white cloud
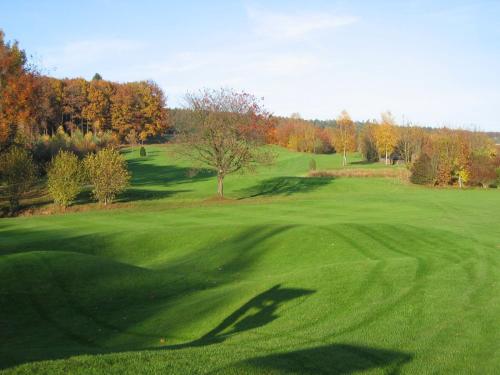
(294, 25)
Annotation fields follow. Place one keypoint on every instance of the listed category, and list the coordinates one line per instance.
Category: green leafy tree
(18, 173)
(65, 178)
(108, 174)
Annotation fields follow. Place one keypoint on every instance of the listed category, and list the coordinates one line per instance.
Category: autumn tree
(482, 171)
(344, 137)
(226, 132)
(139, 106)
(49, 104)
(97, 110)
(17, 82)
(410, 143)
(74, 103)
(463, 157)
(367, 142)
(386, 136)
(297, 134)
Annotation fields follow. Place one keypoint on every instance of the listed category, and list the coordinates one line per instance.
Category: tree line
(439, 157)
(32, 104)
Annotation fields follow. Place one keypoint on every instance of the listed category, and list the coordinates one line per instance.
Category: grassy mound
(290, 275)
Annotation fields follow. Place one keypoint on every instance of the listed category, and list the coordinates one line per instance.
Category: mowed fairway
(291, 275)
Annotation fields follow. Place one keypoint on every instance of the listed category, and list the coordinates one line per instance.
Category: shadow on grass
(45, 300)
(257, 312)
(145, 173)
(363, 162)
(285, 186)
(332, 359)
(133, 194)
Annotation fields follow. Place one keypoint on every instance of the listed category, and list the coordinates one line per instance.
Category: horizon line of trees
(32, 104)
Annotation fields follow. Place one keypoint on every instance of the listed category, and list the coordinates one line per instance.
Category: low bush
(46, 147)
(142, 151)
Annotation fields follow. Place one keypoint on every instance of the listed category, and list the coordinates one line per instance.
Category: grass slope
(291, 276)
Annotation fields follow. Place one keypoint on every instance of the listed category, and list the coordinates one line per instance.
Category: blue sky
(430, 62)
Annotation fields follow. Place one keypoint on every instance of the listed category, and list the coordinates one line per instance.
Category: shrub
(422, 172)
(47, 147)
(312, 165)
(65, 178)
(107, 139)
(18, 172)
(142, 151)
(108, 174)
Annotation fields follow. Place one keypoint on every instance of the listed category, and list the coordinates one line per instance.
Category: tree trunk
(344, 161)
(459, 181)
(386, 158)
(220, 185)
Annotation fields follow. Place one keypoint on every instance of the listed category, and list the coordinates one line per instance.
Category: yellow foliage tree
(344, 136)
(386, 136)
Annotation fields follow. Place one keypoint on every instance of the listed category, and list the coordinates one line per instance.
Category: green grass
(291, 275)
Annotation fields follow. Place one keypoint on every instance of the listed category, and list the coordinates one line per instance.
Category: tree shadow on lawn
(257, 312)
(363, 162)
(285, 186)
(63, 317)
(144, 173)
(133, 194)
(331, 359)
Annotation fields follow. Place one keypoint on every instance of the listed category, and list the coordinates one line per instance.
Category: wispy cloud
(294, 25)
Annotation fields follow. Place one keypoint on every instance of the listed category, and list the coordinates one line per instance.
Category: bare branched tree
(225, 132)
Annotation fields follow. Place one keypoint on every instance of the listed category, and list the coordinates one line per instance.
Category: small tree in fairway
(108, 174)
(224, 132)
(65, 178)
(18, 172)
